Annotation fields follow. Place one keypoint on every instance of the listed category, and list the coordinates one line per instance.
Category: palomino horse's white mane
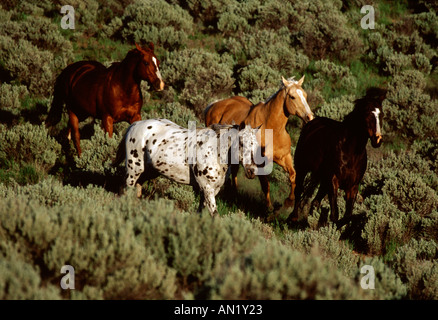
(291, 81)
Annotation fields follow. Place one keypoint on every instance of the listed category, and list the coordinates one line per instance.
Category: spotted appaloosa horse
(197, 157)
(89, 89)
(335, 153)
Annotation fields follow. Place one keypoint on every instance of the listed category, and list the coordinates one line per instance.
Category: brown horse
(272, 114)
(112, 94)
(335, 153)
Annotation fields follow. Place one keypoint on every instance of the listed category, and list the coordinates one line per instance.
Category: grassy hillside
(57, 209)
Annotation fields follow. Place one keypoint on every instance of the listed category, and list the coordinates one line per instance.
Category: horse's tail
(209, 107)
(209, 118)
(121, 152)
(55, 112)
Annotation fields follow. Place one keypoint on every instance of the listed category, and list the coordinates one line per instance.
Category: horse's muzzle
(376, 140)
(309, 117)
(250, 173)
(158, 85)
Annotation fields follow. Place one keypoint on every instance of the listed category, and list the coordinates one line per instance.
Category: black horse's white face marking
(165, 147)
(376, 113)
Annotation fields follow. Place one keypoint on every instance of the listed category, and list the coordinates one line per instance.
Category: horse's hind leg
(134, 168)
(264, 183)
(333, 198)
(234, 171)
(73, 123)
(316, 202)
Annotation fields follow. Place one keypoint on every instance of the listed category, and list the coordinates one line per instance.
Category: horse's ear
(300, 82)
(138, 47)
(376, 93)
(285, 83)
(151, 46)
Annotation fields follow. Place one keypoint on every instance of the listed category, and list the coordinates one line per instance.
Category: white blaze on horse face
(158, 73)
(376, 114)
(304, 102)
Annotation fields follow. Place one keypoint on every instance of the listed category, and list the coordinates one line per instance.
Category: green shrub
(323, 31)
(327, 242)
(33, 51)
(175, 112)
(409, 110)
(164, 24)
(235, 18)
(387, 283)
(108, 259)
(427, 23)
(98, 152)
(11, 97)
(332, 79)
(270, 271)
(206, 11)
(210, 80)
(29, 143)
(401, 201)
(258, 81)
(21, 281)
(416, 263)
(318, 27)
(337, 108)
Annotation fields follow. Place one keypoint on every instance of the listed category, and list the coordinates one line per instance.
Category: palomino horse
(112, 94)
(163, 147)
(335, 153)
(290, 99)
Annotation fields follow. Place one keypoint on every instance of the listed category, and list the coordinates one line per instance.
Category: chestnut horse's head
(296, 99)
(148, 69)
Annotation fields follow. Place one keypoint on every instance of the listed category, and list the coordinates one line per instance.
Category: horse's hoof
(288, 203)
(272, 217)
(292, 222)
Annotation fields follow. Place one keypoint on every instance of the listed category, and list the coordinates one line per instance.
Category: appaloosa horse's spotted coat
(198, 157)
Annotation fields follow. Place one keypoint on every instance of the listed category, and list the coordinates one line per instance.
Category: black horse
(335, 153)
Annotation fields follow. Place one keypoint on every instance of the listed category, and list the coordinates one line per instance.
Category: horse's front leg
(73, 124)
(234, 171)
(134, 169)
(350, 199)
(208, 200)
(287, 164)
(107, 124)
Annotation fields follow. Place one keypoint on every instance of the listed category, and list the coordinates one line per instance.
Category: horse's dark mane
(373, 98)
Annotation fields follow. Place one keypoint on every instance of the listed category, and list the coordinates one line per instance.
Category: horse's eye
(292, 97)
